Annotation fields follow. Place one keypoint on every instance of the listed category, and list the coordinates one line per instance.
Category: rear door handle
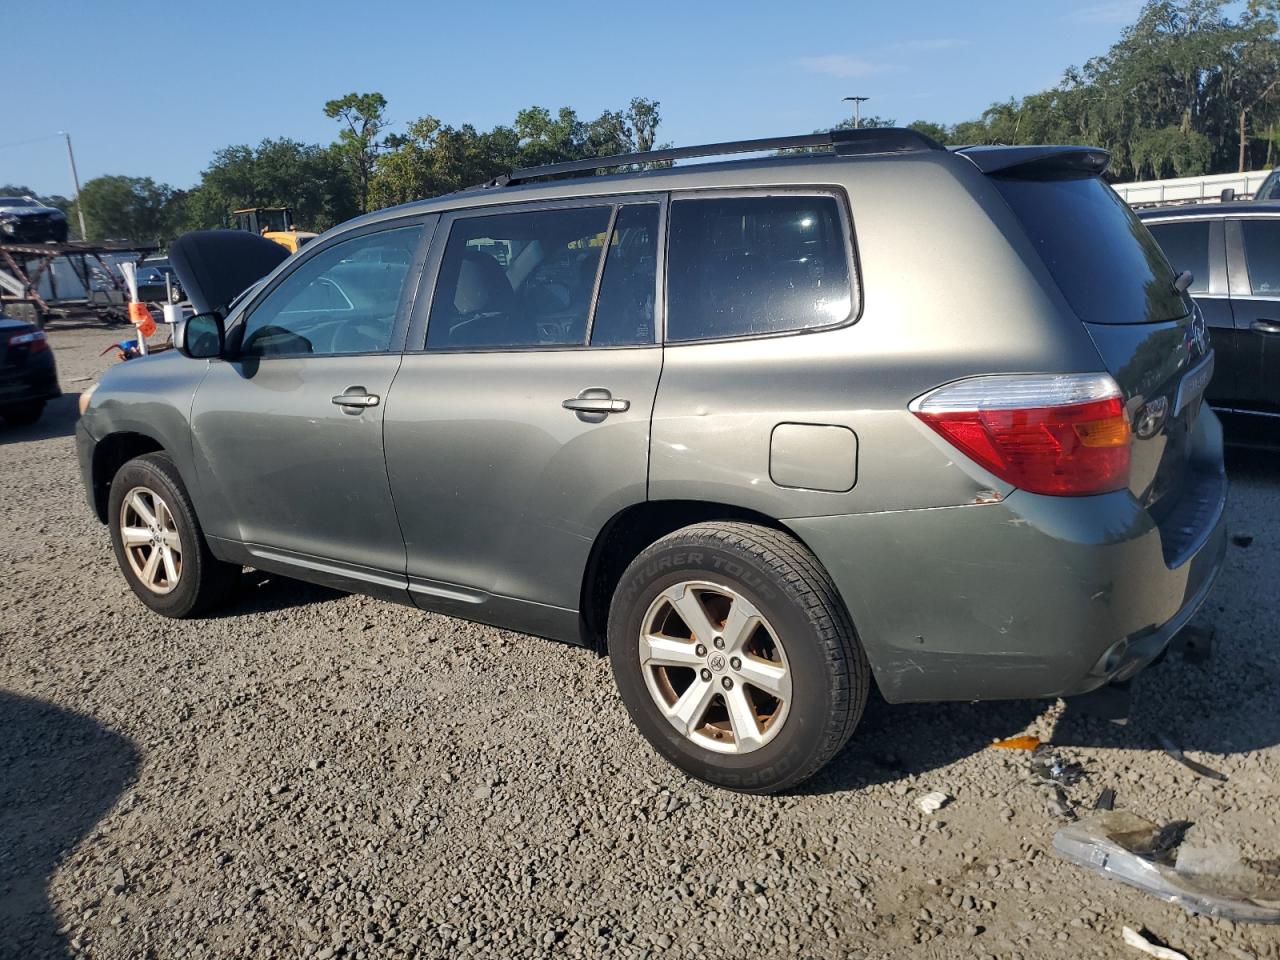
(594, 404)
(1266, 326)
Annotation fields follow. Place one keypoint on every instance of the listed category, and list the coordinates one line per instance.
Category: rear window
(747, 266)
(1107, 264)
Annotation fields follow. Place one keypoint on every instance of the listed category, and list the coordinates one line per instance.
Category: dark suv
(1232, 251)
(766, 428)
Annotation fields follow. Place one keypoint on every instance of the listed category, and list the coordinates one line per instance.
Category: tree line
(1188, 89)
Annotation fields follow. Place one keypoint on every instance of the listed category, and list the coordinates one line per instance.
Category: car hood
(214, 266)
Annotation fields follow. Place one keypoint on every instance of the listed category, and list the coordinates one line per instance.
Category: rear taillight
(1064, 435)
(35, 341)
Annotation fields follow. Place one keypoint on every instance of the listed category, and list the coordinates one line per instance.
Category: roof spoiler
(1050, 162)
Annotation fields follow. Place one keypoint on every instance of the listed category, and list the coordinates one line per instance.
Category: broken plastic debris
(1215, 881)
(1106, 800)
(1054, 768)
(1059, 805)
(1134, 939)
(1173, 750)
(1016, 743)
(933, 802)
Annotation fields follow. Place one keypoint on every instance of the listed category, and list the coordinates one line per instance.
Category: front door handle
(594, 404)
(356, 398)
(1266, 326)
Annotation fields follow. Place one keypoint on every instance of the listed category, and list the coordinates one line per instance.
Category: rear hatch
(1119, 283)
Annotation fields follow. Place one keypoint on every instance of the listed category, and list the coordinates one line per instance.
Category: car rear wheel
(735, 656)
(22, 414)
(159, 544)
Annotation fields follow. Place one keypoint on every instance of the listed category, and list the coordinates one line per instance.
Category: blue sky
(152, 89)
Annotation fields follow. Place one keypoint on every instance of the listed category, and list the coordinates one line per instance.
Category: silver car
(768, 430)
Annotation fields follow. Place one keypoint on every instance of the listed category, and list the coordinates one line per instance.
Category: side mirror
(200, 337)
(1228, 195)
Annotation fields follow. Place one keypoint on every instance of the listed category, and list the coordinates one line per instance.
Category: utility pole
(75, 181)
(857, 110)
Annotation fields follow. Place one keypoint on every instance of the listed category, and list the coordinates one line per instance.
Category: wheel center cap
(717, 662)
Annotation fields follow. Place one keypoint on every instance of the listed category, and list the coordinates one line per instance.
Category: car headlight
(85, 397)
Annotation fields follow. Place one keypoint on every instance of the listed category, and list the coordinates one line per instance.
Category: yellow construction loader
(274, 223)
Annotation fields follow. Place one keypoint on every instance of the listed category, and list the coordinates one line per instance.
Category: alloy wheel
(714, 667)
(151, 541)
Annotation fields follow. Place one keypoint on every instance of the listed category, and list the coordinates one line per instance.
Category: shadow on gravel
(59, 420)
(265, 592)
(894, 740)
(59, 773)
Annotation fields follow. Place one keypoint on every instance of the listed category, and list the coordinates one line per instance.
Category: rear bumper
(35, 379)
(1029, 597)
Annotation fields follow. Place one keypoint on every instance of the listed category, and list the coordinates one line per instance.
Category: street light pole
(857, 110)
(75, 181)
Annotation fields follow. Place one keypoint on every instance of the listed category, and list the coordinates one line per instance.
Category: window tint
(624, 308)
(1270, 189)
(1105, 262)
(740, 266)
(1262, 254)
(342, 300)
(518, 279)
(1187, 247)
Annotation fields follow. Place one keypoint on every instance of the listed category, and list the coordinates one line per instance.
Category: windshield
(17, 202)
(1107, 264)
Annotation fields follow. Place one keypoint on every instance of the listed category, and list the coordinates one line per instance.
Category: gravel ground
(319, 775)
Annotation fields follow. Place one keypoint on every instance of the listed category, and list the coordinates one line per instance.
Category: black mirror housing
(201, 337)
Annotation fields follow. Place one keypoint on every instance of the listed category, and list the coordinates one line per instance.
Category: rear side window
(1262, 254)
(624, 307)
(747, 266)
(1107, 264)
(518, 279)
(1187, 247)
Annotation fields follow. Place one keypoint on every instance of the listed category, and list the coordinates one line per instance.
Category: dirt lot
(319, 775)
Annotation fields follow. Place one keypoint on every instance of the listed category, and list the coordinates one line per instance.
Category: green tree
(364, 116)
(309, 178)
(131, 208)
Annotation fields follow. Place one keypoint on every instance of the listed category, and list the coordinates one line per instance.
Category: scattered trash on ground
(1173, 750)
(1214, 881)
(1016, 743)
(1135, 939)
(1059, 805)
(1053, 768)
(1106, 800)
(933, 802)
(1242, 539)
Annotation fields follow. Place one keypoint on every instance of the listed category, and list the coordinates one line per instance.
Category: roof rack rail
(841, 142)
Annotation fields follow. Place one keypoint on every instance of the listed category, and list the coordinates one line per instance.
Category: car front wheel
(735, 656)
(159, 544)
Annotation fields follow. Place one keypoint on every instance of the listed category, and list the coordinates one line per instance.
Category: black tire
(22, 414)
(204, 582)
(830, 677)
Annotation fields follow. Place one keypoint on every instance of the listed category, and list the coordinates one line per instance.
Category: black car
(1270, 189)
(1233, 251)
(27, 220)
(28, 374)
(151, 282)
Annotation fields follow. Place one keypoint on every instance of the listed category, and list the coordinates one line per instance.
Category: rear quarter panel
(950, 288)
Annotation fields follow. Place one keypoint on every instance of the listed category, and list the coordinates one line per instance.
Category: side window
(1262, 255)
(744, 266)
(518, 279)
(342, 300)
(1187, 247)
(625, 306)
